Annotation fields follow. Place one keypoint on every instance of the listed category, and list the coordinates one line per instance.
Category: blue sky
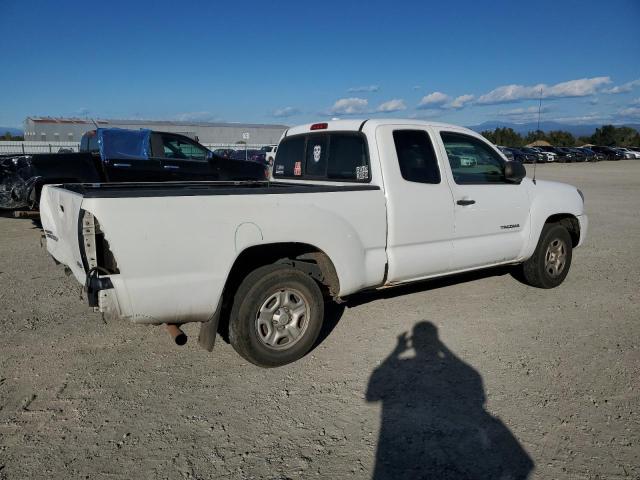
(286, 62)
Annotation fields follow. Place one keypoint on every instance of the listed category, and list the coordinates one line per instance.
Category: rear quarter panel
(174, 253)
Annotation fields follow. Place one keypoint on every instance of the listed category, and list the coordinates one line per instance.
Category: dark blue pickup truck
(118, 155)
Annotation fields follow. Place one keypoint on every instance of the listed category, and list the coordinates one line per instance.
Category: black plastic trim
(192, 189)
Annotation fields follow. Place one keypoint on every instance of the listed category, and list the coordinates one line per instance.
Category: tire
(276, 317)
(551, 260)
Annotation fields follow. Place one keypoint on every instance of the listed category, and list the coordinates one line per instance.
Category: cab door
(491, 214)
(420, 212)
(181, 158)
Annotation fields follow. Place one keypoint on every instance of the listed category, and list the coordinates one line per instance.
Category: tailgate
(60, 216)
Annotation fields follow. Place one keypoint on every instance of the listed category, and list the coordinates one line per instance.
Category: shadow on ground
(334, 312)
(434, 425)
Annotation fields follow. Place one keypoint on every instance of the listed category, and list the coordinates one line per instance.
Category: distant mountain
(12, 130)
(524, 128)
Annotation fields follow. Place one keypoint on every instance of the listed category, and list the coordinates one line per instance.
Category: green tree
(604, 135)
(560, 138)
(503, 136)
(535, 135)
(611, 135)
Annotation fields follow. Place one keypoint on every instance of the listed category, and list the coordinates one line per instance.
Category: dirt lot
(495, 373)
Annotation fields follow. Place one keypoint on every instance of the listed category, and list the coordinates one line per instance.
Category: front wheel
(276, 317)
(550, 262)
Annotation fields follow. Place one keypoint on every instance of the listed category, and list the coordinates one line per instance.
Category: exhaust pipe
(178, 335)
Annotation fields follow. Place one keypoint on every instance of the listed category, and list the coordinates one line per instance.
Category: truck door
(491, 214)
(419, 204)
(181, 158)
(125, 157)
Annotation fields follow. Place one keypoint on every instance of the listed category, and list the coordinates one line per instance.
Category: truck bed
(189, 189)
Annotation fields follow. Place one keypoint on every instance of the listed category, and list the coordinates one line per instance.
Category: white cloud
(364, 89)
(635, 101)
(624, 88)
(587, 118)
(460, 102)
(573, 88)
(285, 112)
(350, 106)
(417, 87)
(394, 105)
(434, 98)
(522, 114)
(631, 112)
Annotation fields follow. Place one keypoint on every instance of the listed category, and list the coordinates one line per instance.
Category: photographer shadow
(434, 425)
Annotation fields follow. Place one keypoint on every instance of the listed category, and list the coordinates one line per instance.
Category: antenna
(95, 123)
(535, 160)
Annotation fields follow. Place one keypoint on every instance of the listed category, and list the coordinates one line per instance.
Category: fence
(9, 147)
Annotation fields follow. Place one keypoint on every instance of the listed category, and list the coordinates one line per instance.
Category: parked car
(262, 258)
(628, 153)
(255, 156)
(561, 156)
(591, 156)
(507, 152)
(550, 156)
(224, 152)
(536, 155)
(609, 152)
(569, 154)
(270, 153)
(117, 155)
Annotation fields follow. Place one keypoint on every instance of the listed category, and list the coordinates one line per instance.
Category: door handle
(466, 201)
(171, 167)
(122, 165)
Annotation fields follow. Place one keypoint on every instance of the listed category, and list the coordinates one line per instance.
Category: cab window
(472, 160)
(176, 147)
(416, 157)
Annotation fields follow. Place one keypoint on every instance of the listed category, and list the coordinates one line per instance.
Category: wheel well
(305, 257)
(570, 222)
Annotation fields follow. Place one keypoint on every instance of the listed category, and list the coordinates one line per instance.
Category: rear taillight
(319, 126)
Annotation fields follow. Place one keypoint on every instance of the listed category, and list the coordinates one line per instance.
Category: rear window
(337, 156)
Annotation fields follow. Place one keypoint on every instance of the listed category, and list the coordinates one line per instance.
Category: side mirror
(514, 172)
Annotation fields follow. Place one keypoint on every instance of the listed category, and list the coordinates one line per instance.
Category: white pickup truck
(352, 205)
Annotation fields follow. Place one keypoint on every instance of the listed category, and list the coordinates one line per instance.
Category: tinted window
(416, 156)
(316, 156)
(347, 158)
(472, 161)
(175, 147)
(332, 156)
(291, 151)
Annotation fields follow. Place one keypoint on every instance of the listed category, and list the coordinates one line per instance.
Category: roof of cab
(357, 124)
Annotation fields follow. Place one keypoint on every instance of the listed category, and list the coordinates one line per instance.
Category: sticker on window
(362, 173)
(280, 169)
(317, 151)
(297, 169)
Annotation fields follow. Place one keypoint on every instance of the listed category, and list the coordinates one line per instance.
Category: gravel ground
(490, 373)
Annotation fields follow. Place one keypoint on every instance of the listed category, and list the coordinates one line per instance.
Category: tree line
(608, 135)
(8, 136)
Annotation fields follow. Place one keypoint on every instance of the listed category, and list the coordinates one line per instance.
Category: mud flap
(209, 330)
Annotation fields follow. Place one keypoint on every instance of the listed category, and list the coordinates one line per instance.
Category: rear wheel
(550, 262)
(277, 315)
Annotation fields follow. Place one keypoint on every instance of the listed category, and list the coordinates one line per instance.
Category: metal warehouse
(50, 129)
